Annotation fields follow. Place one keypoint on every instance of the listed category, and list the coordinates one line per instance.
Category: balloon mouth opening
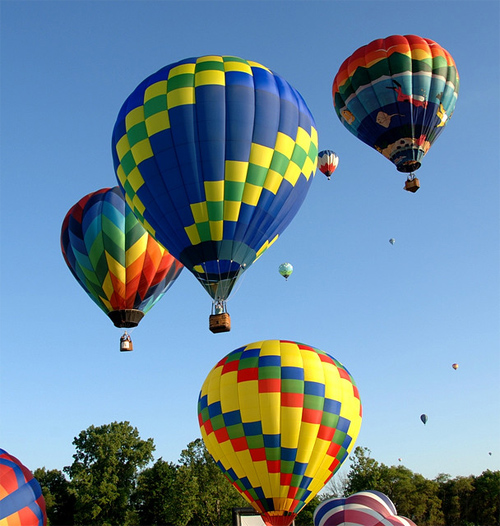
(278, 520)
(126, 318)
(408, 166)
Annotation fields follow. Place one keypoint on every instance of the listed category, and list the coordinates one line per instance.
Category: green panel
(204, 231)
(273, 453)
(299, 156)
(271, 372)
(155, 105)
(256, 175)
(289, 385)
(209, 66)
(184, 80)
(218, 422)
(215, 210)
(128, 164)
(233, 191)
(235, 431)
(137, 133)
(330, 420)
(248, 363)
(280, 163)
(255, 441)
(313, 402)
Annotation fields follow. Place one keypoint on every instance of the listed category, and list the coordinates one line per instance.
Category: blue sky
(397, 316)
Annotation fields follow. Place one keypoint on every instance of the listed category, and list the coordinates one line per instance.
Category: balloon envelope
(424, 418)
(216, 155)
(396, 95)
(327, 162)
(279, 418)
(392, 241)
(365, 508)
(285, 269)
(21, 499)
(120, 266)
(455, 366)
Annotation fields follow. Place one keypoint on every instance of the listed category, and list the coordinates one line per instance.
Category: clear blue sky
(397, 315)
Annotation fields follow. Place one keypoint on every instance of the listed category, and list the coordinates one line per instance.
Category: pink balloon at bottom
(366, 508)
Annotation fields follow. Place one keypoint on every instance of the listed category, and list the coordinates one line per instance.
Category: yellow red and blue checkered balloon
(123, 269)
(215, 155)
(21, 499)
(279, 418)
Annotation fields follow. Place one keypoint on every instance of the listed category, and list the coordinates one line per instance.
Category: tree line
(111, 483)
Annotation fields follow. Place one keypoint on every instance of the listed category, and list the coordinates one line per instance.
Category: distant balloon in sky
(286, 269)
(392, 241)
(279, 418)
(400, 459)
(215, 155)
(424, 418)
(328, 161)
(365, 508)
(120, 266)
(455, 366)
(21, 499)
(396, 95)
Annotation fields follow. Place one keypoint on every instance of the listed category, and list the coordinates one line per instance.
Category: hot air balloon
(327, 162)
(365, 508)
(120, 266)
(392, 241)
(424, 418)
(396, 95)
(455, 366)
(215, 155)
(21, 499)
(286, 269)
(279, 418)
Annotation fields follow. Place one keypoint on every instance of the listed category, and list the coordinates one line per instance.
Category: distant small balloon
(455, 366)
(392, 241)
(489, 453)
(424, 419)
(286, 269)
(400, 459)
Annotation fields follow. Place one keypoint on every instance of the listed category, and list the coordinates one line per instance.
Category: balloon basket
(220, 322)
(126, 343)
(412, 185)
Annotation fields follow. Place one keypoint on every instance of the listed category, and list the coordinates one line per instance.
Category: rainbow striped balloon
(279, 418)
(215, 155)
(396, 95)
(366, 508)
(120, 266)
(21, 499)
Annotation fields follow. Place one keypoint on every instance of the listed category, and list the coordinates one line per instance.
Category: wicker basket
(220, 322)
(412, 185)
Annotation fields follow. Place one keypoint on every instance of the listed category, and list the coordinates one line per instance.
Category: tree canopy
(114, 482)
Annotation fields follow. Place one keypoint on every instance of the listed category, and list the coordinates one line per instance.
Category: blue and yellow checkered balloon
(215, 155)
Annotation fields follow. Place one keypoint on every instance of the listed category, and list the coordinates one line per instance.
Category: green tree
(59, 501)
(216, 495)
(166, 494)
(485, 505)
(413, 495)
(104, 472)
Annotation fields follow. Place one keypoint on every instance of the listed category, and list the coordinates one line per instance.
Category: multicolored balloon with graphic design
(279, 417)
(215, 155)
(397, 94)
(21, 499)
